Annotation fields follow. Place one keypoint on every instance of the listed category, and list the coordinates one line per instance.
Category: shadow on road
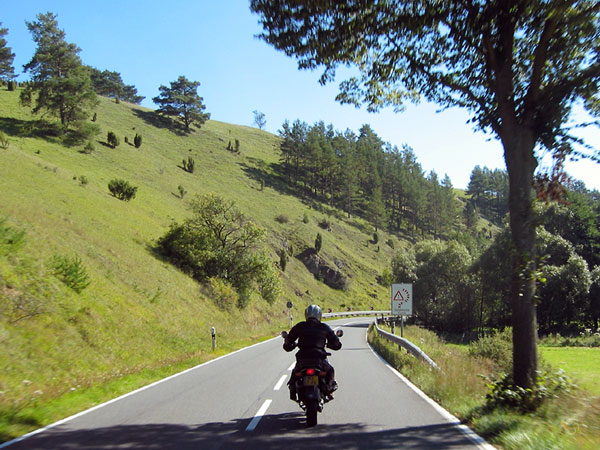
(274, 432)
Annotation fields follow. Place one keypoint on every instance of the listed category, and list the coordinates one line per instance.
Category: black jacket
(313, 336)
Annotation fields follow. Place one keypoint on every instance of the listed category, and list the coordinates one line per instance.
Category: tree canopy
(7, 71)
(182, 102)
(517, 66)
(218, 241)
(110, 84)
(60, 82)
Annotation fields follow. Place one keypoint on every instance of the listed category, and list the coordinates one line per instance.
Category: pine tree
(7, 71)
(61, 82)
(182, 102)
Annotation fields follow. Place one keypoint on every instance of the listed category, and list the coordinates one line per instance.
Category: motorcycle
(311, 388)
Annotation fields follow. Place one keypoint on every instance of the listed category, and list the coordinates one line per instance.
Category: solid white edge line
(292, 366)
(143, 388)
(470, 434)
(280, 383)
(259, 415)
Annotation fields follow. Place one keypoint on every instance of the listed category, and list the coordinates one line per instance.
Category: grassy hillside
(140, 312)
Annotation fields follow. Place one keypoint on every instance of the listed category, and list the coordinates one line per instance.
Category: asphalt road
(241, 401)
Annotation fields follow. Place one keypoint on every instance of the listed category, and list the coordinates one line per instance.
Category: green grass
(140, 314)
(582, 364)
(571, 421)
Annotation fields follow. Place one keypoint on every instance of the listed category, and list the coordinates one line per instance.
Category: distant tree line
(459, 288)
(489, 192)
(364, 176)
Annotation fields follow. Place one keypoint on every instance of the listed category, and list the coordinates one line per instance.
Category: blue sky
(152, 42)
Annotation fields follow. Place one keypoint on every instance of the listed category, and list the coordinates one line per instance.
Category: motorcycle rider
(313, 336)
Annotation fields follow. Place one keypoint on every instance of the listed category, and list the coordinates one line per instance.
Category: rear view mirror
(339, 333)
(284, 334)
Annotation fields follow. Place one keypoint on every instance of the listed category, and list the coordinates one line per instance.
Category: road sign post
(402, 301)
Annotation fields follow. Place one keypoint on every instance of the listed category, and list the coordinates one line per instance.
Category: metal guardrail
(404, 343)
(354, 314)
(409, 346)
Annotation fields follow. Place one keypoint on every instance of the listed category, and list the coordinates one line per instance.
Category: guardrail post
(290, 305)
(394, 327)
(213, 333)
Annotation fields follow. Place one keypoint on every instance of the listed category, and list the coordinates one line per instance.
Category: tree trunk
(521, 163)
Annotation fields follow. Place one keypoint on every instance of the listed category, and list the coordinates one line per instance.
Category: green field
(581, 364)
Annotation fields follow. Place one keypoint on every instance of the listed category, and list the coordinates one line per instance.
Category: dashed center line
(280, 383)
(259, 415)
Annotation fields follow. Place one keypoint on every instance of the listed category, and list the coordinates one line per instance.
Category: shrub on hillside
(318, 242)
(71, 272)
(325, 224)
(80, 133)
(112, 139)
(222, 293)
(122, 190)
(89, 148)
(283, 259)
(385, 279)
(219, 241)
(282, 218)
(188, 165)
(137, 140)
(10, 239)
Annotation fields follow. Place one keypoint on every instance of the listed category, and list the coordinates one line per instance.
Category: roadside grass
(570, 421)
(140, 314)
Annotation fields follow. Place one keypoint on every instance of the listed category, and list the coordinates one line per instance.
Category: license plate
(311, 380)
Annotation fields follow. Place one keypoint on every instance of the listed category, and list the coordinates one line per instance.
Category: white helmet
(313, 312)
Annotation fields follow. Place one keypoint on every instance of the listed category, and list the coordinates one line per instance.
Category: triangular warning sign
(398, 297)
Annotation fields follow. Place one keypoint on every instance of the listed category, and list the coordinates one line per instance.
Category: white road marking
(259, 415)
(280, 383)
(292, 366)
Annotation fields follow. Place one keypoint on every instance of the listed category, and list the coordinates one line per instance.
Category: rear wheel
(311, 413)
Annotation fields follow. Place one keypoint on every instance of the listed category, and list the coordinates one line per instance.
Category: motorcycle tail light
(310, 371)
